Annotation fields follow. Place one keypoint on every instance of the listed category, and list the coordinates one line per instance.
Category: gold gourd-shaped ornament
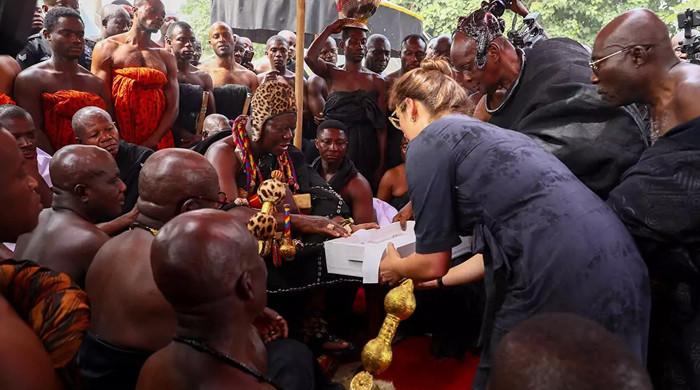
(262, 225)
(399, 303)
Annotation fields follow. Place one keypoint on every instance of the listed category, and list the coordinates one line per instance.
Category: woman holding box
(544, 241)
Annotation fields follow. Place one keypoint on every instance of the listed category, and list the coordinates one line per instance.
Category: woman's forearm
(470, 271)
(421, 267)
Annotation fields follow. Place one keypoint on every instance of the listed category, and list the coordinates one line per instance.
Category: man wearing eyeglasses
(545, 92)
(633, 61)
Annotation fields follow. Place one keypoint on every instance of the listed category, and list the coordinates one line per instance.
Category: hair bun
(437, 64)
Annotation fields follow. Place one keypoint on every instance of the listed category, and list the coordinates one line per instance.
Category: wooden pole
(299, 78)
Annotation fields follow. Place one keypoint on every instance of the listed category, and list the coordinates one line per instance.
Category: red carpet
(414, 368)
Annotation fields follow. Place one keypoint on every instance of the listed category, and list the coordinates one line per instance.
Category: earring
(413, 119)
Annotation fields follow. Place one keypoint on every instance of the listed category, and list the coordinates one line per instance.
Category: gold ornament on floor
(399, 303)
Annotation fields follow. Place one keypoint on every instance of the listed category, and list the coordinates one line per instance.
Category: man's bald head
(222, 39)
(115, 20)
(563, 351)
(215, 123)
(176, 180)
(21, 203)
(76, 164)
(90, 177)
(207, 258)
(635, 27)
(629, 56)
(439, 46)
(87, 116)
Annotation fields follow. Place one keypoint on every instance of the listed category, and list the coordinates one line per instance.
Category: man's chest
(127, 57)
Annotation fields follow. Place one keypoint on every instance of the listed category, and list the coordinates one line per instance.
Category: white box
(360, 254)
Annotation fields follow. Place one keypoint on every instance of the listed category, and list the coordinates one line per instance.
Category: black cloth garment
(104, 366)
(346, 172)
(308, 269)
(555, 104)
(38, 50)
(190, 106)
(399, 202)
(230, 100)
(202, 146)
(363, 118)
(543, 233)
(659, 202)
(130, 159)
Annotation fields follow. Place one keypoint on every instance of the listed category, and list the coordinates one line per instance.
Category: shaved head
(85, 117)
(557, 351)
(630, 54)
(635, 27)
(220, 25)
(171, 176)
(87, 177)
(77, 164)
(201, 258)
(215, 123)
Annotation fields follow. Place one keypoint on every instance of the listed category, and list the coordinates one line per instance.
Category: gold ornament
(399, 303)
(288, 250)
(360, 10)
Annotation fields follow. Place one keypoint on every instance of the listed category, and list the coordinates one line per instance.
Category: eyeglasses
(394, 119)
(595, 64)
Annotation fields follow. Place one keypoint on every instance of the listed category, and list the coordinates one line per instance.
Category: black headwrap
(483, 27)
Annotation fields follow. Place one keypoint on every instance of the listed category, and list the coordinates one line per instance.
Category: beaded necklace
(253, 175)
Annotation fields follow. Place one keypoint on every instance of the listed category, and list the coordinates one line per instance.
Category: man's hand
(519, 8)
(311, 224)
(364, 226)
(404, 215)
(151, 143)
(387, 267)
(271, 326)
(337, 26)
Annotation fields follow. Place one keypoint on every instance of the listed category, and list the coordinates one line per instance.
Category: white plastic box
(360, 254)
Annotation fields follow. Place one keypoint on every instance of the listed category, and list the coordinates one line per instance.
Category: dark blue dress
(549, 243)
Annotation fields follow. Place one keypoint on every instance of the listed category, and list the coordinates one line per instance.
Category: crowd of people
(136, 256)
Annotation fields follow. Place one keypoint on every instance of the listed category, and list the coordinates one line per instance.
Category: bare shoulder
(35, 73)
(221, 148)
(9, 66)
(108, 45)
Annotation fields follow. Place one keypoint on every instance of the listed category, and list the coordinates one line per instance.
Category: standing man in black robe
(356, 97)
(549, 97)
(633, 61)
(94, 126)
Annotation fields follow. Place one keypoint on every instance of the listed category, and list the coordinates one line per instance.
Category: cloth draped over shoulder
(5, 99)
(658, 201)
(341, 178)
(52, 305)
(190, 106)
(59, 108)
(230, 99)
(555, 104)
(139, 104)
(362, 116)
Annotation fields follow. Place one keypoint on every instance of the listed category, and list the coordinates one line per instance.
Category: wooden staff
(299, 78)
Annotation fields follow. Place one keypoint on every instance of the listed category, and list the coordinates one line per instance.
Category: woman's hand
(388, 272)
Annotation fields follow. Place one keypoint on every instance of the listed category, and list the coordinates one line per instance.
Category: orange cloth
(139, 104)
(4, 99)
(59, 108)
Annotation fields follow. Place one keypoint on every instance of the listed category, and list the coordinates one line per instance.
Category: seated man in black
(94, 126)
(335, 167)
(633, 61)
(549, 97)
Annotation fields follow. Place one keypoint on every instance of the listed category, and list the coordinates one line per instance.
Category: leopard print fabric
(272, 98)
